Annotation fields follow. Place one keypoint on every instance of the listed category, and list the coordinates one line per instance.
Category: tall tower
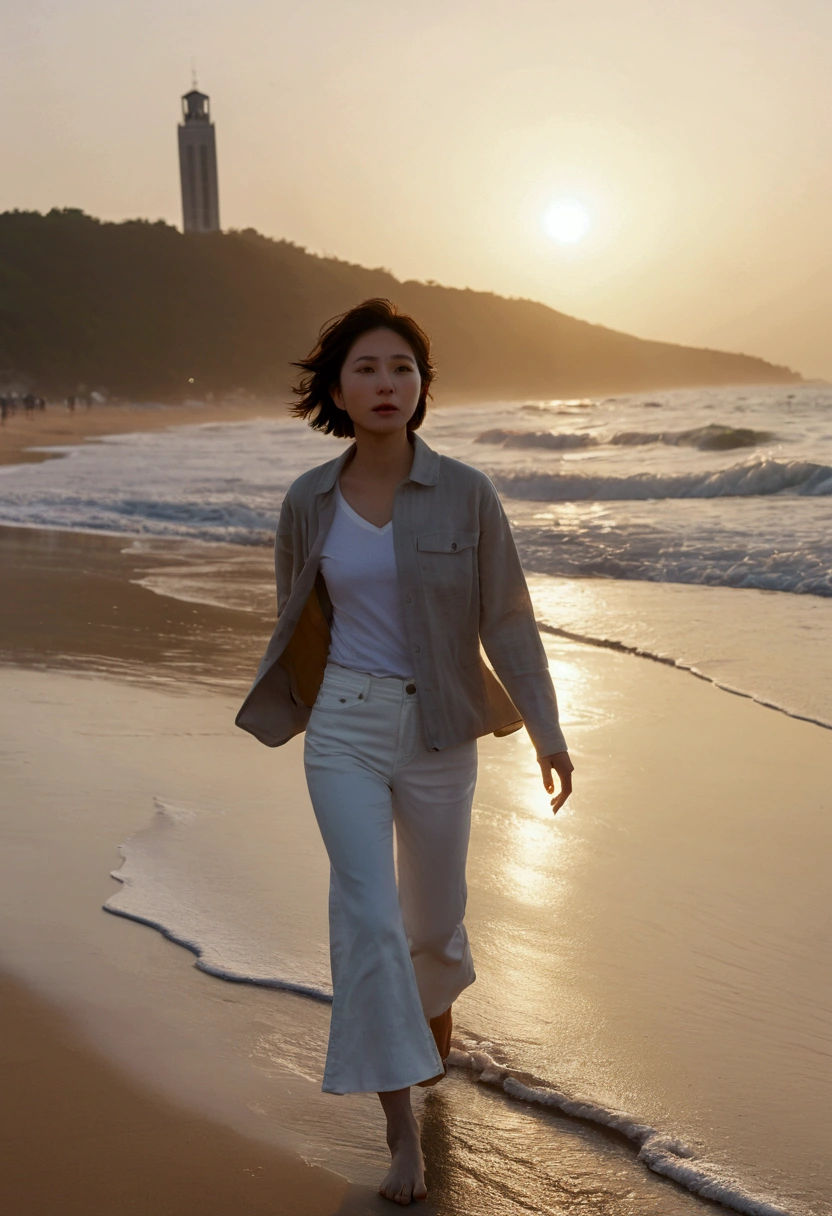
(198, 165)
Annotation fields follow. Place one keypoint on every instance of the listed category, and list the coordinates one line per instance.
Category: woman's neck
(381, 459)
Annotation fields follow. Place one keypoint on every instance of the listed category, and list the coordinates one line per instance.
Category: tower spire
(198, 163)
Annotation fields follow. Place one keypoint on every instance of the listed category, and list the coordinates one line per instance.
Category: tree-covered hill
(142, 309)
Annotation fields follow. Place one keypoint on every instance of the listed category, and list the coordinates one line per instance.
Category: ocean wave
(715, 437)
(665, 1155)
(204, 517)
(757, 479)
(558, 407)
(548, 440)
(656, 555)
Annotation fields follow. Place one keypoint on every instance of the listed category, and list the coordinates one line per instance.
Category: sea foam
(661, 1153)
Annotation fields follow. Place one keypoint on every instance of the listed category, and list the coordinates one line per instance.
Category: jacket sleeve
(284, 553)
(508, 629)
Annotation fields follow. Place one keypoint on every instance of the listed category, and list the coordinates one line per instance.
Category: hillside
(141, 309)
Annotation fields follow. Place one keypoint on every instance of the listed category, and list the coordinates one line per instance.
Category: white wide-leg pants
(399, 954)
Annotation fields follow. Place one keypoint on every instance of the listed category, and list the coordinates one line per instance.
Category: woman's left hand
(564, 767)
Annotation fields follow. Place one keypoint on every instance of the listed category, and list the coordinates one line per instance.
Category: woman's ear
(337, 396)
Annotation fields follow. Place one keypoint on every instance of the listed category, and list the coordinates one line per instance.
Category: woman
(394, 566)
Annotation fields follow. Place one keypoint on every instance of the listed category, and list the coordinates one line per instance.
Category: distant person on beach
(394, 565)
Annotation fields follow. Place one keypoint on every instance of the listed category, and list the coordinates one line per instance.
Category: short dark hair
(322, 367)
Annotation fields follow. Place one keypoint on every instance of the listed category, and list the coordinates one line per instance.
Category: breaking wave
(714, 437)
(757, 479)
(547, 440)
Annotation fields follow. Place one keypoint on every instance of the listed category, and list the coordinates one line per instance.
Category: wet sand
(75, 601)
(110, 695)
(79, 1129)
(78, 1137)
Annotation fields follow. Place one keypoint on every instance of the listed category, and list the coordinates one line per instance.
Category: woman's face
(380, 382)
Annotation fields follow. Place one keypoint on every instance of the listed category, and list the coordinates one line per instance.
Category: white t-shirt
(359, 568)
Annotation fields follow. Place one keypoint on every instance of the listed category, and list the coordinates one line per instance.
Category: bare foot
(404, 1182)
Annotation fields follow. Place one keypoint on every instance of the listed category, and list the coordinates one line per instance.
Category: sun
(567, 220)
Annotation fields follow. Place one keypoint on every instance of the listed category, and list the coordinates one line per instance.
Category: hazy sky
(430, 136)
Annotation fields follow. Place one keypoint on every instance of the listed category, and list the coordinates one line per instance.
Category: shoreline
(56, 426)
(77, 601)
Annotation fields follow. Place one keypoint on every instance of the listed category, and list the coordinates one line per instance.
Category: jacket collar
(425, 467)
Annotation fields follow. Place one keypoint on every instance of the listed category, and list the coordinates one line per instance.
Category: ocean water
(691, 528)
(711, 487)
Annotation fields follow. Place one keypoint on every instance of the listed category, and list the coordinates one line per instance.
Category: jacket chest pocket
(448, 543)
(448, 571)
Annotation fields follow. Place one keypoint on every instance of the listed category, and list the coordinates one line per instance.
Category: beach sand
(79, 1137)
(56, 426)
(113, 695)
(78, 1129)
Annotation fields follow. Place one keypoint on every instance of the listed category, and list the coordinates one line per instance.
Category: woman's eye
(405, 367)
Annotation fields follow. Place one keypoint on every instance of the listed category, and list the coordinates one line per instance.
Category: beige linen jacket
(462, 589)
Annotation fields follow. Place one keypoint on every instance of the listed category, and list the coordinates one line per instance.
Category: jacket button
(410, 688)
(453, 546)
(415, 649)
(407, 599)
